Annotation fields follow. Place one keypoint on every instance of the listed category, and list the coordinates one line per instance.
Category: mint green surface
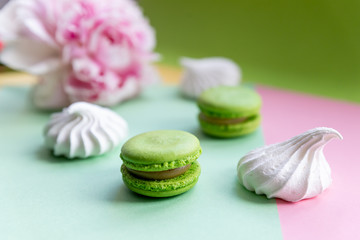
(229, 102)
(231, 130)
(45, 197)
(160, 150)
(163, 188)
(307, 45)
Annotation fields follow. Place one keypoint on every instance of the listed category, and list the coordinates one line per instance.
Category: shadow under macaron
(201, 135)
(124, 194)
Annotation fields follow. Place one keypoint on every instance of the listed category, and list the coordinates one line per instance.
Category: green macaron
(161, 163)
(228, 111)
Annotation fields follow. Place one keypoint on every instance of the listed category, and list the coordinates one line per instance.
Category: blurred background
(311, 46)
(2, 2)
(308, 46)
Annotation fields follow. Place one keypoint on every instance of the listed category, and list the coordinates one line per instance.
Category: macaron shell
(162, 194)
(150, 167)
(160, 150)
(162, 188)
(229, 102)
(231, 130)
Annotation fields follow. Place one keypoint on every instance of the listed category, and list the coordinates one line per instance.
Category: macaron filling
(162, 188)
(148, 167)
(217, 120)
(159, 175)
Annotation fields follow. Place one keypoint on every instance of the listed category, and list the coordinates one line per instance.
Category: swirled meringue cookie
(83, 130)
(201, 74)
(292, 170)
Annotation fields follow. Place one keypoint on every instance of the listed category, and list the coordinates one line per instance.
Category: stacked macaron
(229, 111)
(161, 163)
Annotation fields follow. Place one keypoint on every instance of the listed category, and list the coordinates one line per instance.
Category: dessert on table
(161, 163)
(227, 111)
(292, 170)
(83, 130)
(202, 74)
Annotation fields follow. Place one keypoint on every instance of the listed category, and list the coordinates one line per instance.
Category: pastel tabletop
(87, 199)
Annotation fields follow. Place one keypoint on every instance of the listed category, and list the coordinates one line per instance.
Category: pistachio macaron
(229, 111)
(161, 163)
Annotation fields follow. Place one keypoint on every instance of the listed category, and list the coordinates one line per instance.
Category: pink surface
(335, 214)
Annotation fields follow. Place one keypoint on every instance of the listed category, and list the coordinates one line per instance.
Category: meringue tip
(188, 62)
(327, 131)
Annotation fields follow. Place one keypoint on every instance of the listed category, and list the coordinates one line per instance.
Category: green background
(311, 46)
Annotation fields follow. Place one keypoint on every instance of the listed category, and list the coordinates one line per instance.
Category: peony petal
(85, 69)
(149, 75)
(130, 89)
(50, 93)
(37, 30)
(31, 56)
(8, 22)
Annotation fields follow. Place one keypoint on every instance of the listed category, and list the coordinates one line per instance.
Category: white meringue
(201, 74)
(292, 170)
(83, 130)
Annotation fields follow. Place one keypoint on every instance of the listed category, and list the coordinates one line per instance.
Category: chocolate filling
(216, 120)
(160, 175)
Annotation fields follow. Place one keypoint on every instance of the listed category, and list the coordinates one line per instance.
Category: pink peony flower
(100, 51)
(28, 34)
